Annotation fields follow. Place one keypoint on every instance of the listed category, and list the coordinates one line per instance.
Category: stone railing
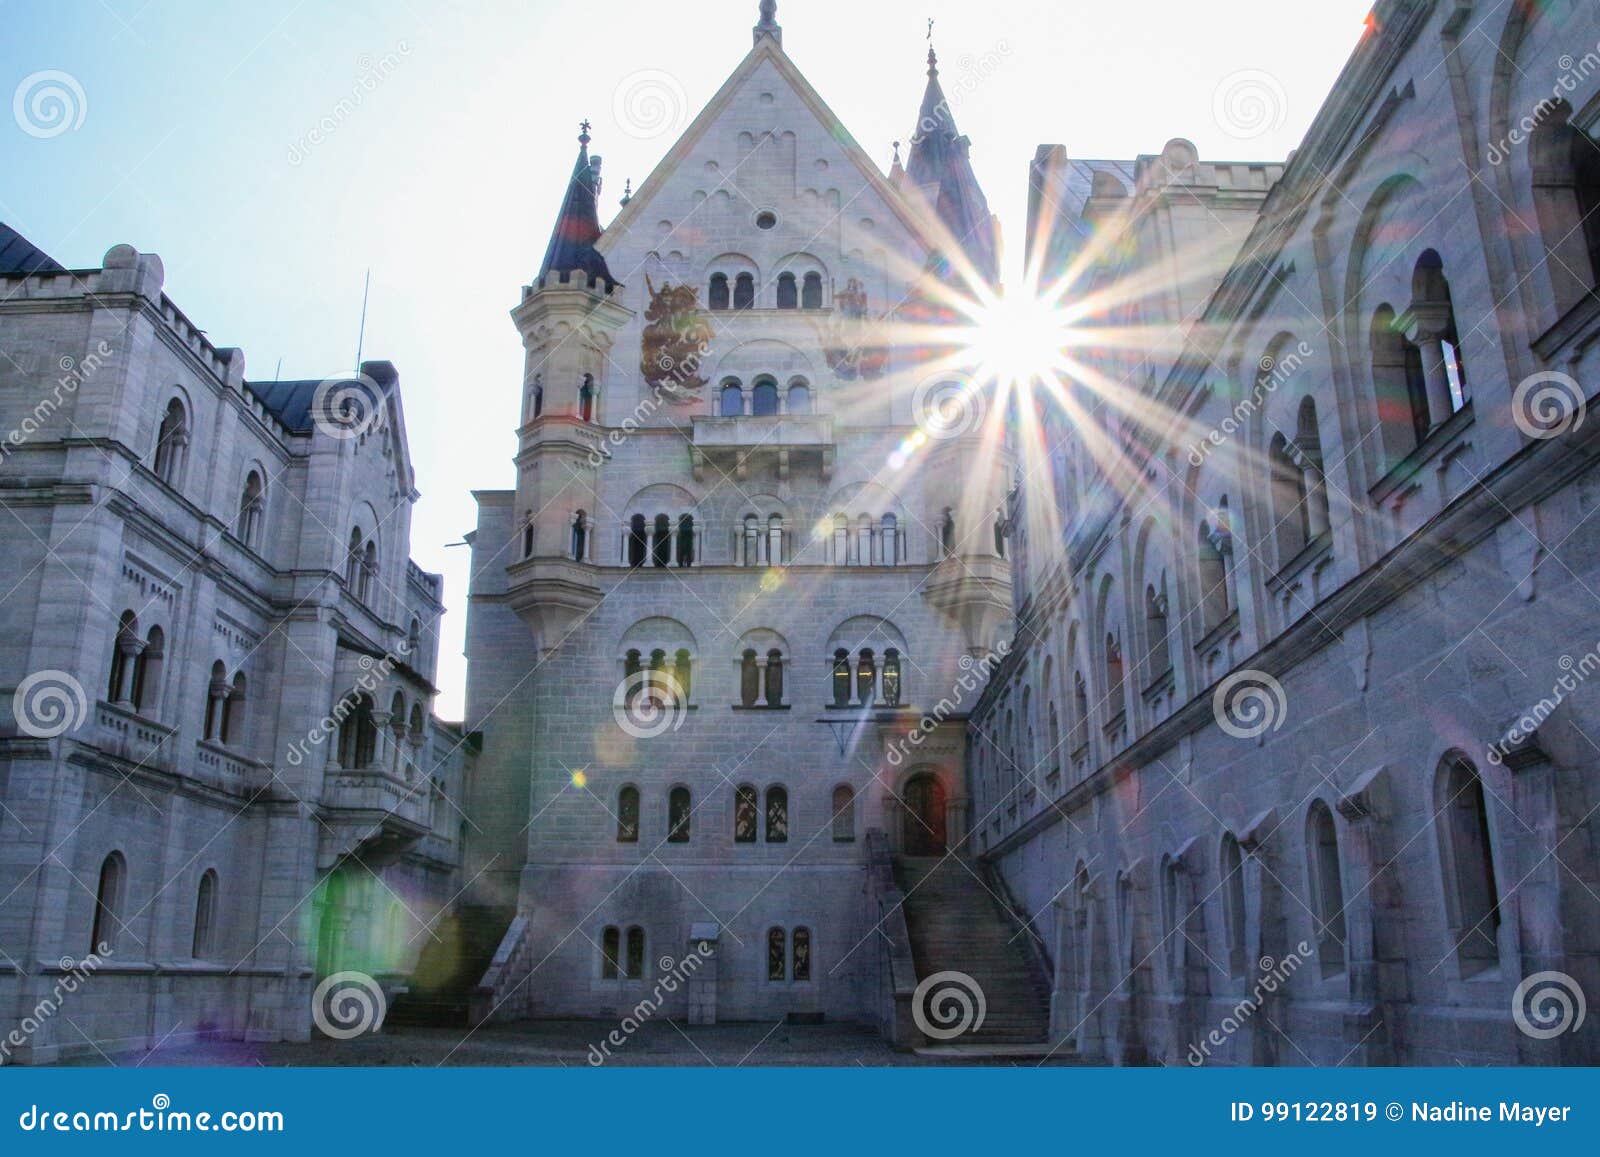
(501, 995)
(123, 732)
(897, 971)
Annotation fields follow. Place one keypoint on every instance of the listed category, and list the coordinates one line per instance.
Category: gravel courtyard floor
(571, 1043)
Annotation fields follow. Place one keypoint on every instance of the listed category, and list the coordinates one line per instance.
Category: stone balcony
(121, 731)
(372, 812)
(735, 443)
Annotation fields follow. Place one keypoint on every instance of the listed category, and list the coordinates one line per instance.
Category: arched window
(844, 814)
(172, 444)
(773, 690)
(628, 815)
(1397, 381)
(999, 536)
(799, 398)
(1308, 442)
(610, 953)
(634, 961)
(745, 807)
(891, 540)
(788, 295)
(1158, 657)
(124, 651)
(717, 294)
(891, 677)
(841, 541)
(1565, 164)
(1213, 580)
(638, 540)
(947, 533)
(862, 553)
(1472, 896)
(147, 672)
(749, 679)
(686, 540)
(536, 397)
(352, 561)
(580, 536)
(1080, 712)
(1327, 890)
(233, 711)
(586, 399)
(216, 696)
(1433, 329)
(1233, 915)
(414, 636)
(527, 540)
(369, 570)
(661, 541)
(417, 726)
(801, 961)
(777, 954)
(1287, 487)
(678, 813)
(205, 904)
(752, 541)
(764, 398)
(1115, 695)
(866, 677)
(682, 673)
(731, 402)
(841, 678)
(251, 506)
(358, 734)
(744, 291)
(108, 904)
(777, 815)
(811, 291)
(775, 540)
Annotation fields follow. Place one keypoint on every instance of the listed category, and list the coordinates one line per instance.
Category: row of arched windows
(658, 542)
(588, 399)
(756, 818)
(170, 464)
(662, 540)
(136, 666)
(764, 399)
(359, 725)
(622, 954)
(225, 699)
(361, 565)
(110, 902)
(875, 679)
(804, 292)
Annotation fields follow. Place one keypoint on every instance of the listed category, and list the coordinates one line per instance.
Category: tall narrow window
(731, 402)
(124, 649)
(172, 444)
(764, 398)
(610, 953)
(717, 294)
(773, 690)
(108, 904)
(527, 541)
(891, 540)
(752, 541)
(776, 953)
(369, 571)
(205, 904)
(586, 398)
(1115, 703)
(788, 295)
(1213, 581)
(947, 533)
(866, 677)
(844, 814)
(233, 709)
(811, 291)
(147, 672)
(749, 679)
(536, 401)
(682, 663)
(686, 540)
(775, 540)
(1157, 657)
(891, 677)
(251, 506)
(352, 561)
(678, 812)
(745, 807)
(635, 957)
(801, 966)
(777, 815)
(628, 815)
(1233, 914)
(1472, 897)
(841, 541)
(638, 540)
(216, 696)
(1080, 712)
(1327, 890)
(744, 291)
(799, 398)
(580, 536)
(841, 678)
(661, 541)
(1287, 488)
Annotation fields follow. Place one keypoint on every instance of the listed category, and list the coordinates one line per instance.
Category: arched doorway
(924, 826)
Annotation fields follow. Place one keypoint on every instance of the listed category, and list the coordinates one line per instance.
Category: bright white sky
(446, 178)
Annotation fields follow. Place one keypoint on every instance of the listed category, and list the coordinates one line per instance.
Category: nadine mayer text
(1516, 1111)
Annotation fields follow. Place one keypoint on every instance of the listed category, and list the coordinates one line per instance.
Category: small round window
(766, 219)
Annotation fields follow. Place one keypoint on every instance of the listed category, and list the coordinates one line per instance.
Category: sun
(1017, 338)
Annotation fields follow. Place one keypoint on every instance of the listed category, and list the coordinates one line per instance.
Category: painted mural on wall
(853, 343)
(676, 340)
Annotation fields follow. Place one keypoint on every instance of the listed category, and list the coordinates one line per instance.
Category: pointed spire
(939, 169)
(627, 191)
(768, 24)
(578, 224)
(897, 172)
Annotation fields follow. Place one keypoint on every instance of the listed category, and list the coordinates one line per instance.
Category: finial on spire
(933, 61)
(768, 24)
(896, 152)
(583, 131)
(627, 190)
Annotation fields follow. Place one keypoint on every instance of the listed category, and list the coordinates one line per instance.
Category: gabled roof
(571, 248)
(19, 255)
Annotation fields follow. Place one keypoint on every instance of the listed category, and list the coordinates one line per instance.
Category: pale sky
(444, 172)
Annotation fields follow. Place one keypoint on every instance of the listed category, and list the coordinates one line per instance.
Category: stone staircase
(439, 991)
(956, 924)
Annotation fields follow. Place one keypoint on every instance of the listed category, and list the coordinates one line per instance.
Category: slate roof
(578, 224)
(19, 255)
